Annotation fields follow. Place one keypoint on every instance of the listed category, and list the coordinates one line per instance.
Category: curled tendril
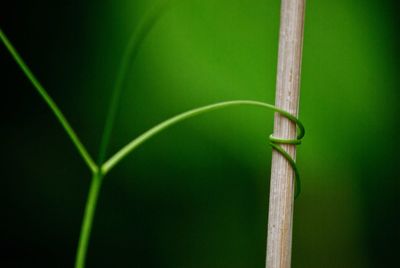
(274, 141)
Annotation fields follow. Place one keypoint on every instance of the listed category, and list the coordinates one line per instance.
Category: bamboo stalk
(280, 219)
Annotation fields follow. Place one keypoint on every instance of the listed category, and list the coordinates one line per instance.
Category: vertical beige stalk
(280, 220)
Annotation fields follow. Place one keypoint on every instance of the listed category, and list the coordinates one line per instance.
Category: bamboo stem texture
(280, 219)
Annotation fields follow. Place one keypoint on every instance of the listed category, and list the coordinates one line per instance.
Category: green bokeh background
(197, 195)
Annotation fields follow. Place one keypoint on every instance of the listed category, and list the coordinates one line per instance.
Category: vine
(100, 169)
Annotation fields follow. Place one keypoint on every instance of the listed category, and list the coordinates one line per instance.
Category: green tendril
(274, 141)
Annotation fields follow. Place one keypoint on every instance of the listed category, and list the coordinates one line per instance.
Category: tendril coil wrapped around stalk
(276, 142)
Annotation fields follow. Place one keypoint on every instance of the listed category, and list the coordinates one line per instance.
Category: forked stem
(129, 55)
(91, 203)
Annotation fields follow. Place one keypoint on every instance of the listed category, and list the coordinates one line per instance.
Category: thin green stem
(122, 153)
(130, 53)
(50, 102)
(94, 191)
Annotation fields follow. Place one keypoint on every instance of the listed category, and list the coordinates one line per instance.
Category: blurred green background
(197, 195)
